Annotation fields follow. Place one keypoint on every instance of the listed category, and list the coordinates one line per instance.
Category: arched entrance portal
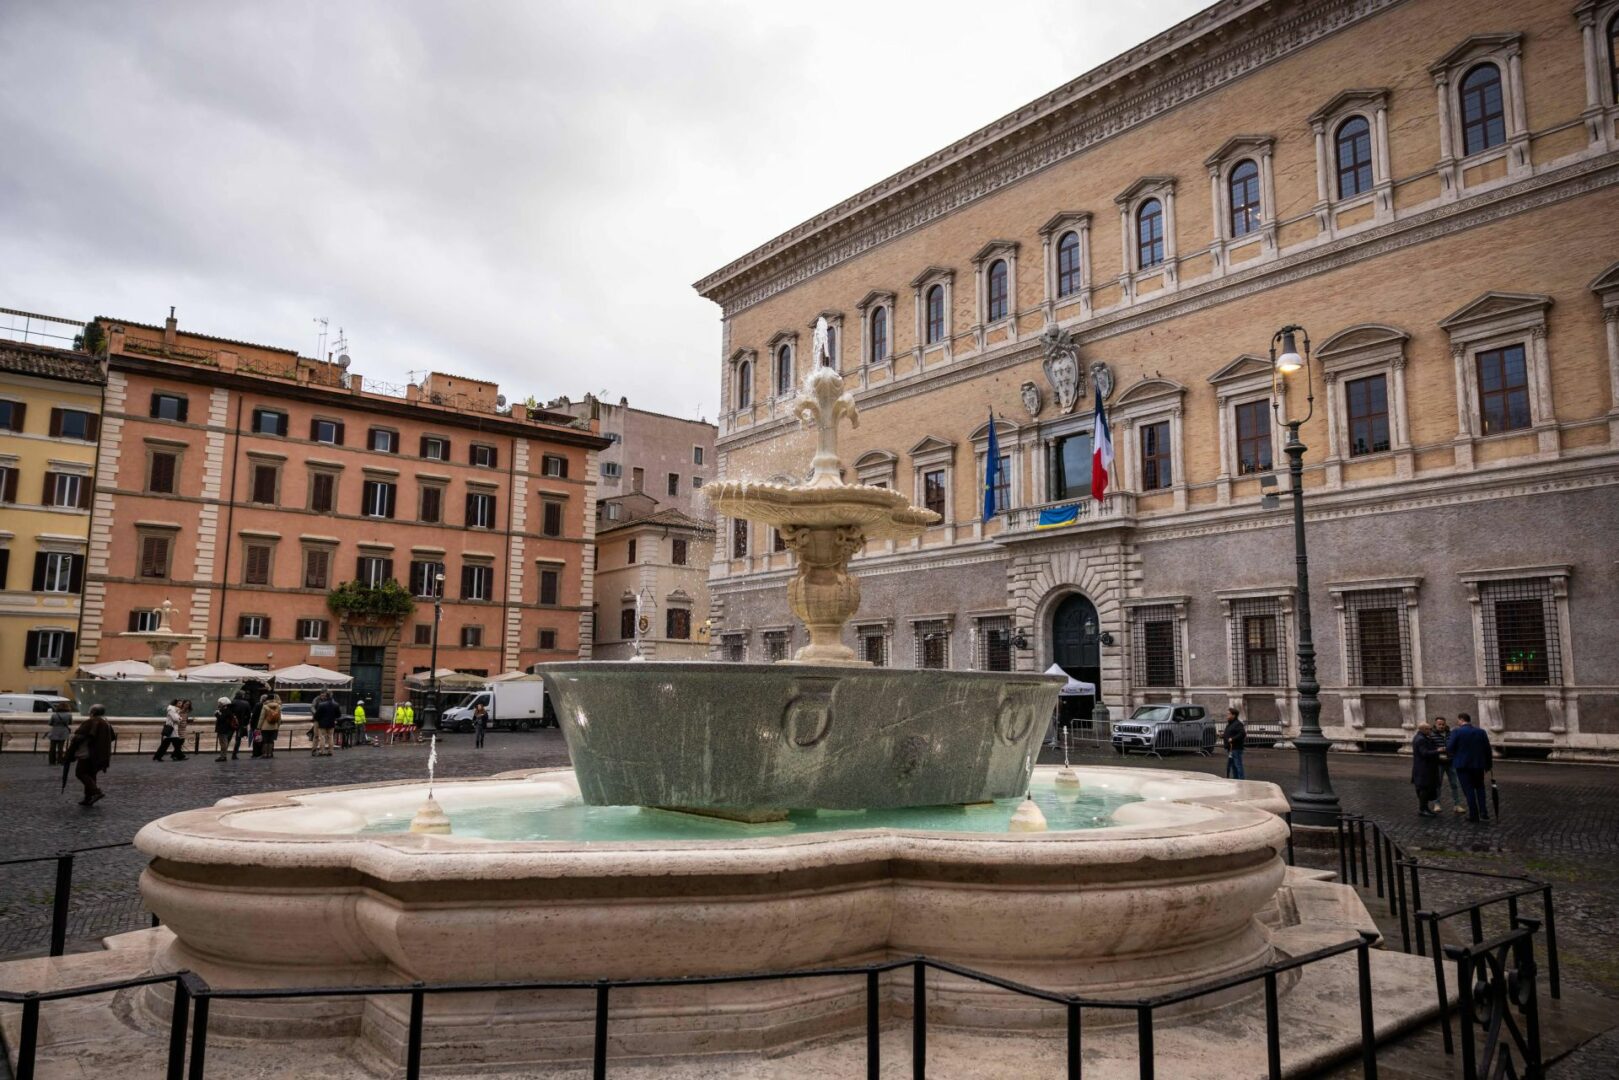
(1075, 647)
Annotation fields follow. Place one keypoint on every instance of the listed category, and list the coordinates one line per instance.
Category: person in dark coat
(1470, 753)
(327, 711)
(480, 724)
(241, 711)
(1235, 738)
(1425, 769)
(90, 752)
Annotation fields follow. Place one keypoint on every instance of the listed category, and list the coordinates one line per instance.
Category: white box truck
(518, 706)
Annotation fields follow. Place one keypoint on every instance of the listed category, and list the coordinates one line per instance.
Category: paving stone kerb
(1559, 823)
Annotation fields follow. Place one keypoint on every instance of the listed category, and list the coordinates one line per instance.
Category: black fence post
(1464, 986)
(1377, 856)
(199, 1037)
(1273, 1033)
(1416, 905)
(919, 1018)
(1405, 925)
(1368, 1029)
(874, 1050)
(598, 1064)
(1475, 922)
(1144, 1040)
(413, 1045)
(179, 1017)
(1074, 1045)
(1438, 975)
(1524, 957)
(1360, 834)
(61, 901)
(1343, 861)
(29, 1042)
(1552, 970)
(1288, 817)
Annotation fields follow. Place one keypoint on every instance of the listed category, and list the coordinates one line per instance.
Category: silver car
(1159, 729)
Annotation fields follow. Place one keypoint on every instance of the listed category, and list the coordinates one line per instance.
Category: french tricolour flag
(1102, 452)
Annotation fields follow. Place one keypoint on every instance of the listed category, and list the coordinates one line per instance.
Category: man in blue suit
(1469, 750)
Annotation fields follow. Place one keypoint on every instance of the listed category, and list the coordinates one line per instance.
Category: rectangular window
(874, 647)
(778, 542)
(322, 492)
(674, 483)
(12, 414)
(424, 575)
(777, 644)
(548, 640)
(471, 637)
(1253, 439)
(933, 493)
(484, 456)
(626, 624)
(1379, 642)
(677, 551)
(477, 581)
(372, 570)
(1367, 402)
(329, 432)
(266, 479)
(256, 564)
(551, 518)
(637, 479)
(154, 561)
(1071, 467)
(1257, 627)
(57, 572)
(253, 626)
(480, 510)
(629, 552)
(677, 623)
(8, 484)
(435, 448)
(734, 647)
(1522, 645)
(696, 482)
(550, 587)
(142, 620)
(317, 568)
(168, 407)
(48, 649)
(697, 455)
(739, 538)
(377, 499)
(612, 470)
(1503, 389)
(1156, 471)
(75, 424)
(933, 645)
(312, 629)
(269, 422)
(423, 634)
(66, 490)
(995, 644)
(161, 467)
(383, 440)
(554, 465)
(1157, 645)
(431, 504)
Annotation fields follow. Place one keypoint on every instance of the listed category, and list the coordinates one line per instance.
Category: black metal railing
(62, 894)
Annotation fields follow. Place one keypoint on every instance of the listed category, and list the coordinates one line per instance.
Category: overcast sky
(520, 191)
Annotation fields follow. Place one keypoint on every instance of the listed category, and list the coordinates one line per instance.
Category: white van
(33, 703)
(518, 706)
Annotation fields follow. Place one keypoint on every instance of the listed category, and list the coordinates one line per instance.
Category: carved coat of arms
(1067, 378)
(1031, 399)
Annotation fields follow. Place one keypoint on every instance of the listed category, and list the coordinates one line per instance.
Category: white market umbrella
(119, 669)
(307, 675)
(446, 677)
(515, 676)
(220, 671)
(1073, 687)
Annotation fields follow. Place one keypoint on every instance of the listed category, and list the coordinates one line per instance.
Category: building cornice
(1216, 46)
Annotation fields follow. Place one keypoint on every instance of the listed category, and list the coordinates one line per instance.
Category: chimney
(169, 327)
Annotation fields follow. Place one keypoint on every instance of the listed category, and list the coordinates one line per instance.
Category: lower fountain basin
(745, 737)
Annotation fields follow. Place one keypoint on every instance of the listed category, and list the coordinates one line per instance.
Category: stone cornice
(1531, 193)
(1212, 48)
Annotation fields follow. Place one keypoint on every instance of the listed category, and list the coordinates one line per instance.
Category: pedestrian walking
(1447, 768)
(1470, 753)
(181, 729)
(61, 730)
(1425, 768)
(241, 711)
(326, 712)
(1235, 738)
(480, 724)
(90, 753)
(269, 724)
(169, 739)
(224, 726)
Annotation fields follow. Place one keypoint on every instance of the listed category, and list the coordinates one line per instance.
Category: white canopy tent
(448, 678)
(308, 675)
(119, 669)
(517, 676)
(1073, 687)
(223, 672)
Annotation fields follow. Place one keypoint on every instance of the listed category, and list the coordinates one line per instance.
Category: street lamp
(1314, 801)
(429, 722)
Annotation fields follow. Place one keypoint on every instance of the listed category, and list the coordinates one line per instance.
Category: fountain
(730, 818)
(148, 695)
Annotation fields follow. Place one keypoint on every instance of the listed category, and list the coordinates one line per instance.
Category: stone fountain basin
(278, 889)
(745, 737)
(879, 513)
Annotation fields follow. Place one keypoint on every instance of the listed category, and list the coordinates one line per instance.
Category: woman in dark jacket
(90, 752)
(1425, 766)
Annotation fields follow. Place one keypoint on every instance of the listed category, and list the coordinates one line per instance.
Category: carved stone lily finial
(821, 407)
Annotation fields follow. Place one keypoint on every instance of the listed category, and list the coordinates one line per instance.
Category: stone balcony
(1116, 511)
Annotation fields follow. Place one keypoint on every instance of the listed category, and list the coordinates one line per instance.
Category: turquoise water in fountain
(569, 820)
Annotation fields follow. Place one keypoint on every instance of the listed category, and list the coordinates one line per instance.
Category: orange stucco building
(243, 483)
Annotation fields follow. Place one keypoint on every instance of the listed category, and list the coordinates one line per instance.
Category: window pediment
(995, 248)
(1149, 391)
(1246, 366)
(1606, 285)
(1367, 341)
(932, 275)
(1147, 185)
(1495, 308)
(1239, 146)
(744, 355)
(1068, 219)
(833, 318)
(1003, 430)
(1347, 101)
(782, 337)
(1477, 47)
(875, 459)
(933, 446)
(875, 298)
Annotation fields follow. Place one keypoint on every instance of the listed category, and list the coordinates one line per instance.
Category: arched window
(1244, 185)
(1068, 264)
(829, 360)
(744, 385)
(879, 334)
(1484, 118)
(995, 283)
(1354, 144)
(935, 314)
(1149, 234)
(784, 371)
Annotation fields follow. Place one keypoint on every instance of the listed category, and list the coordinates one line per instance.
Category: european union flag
(992, 469)
(1053, 516)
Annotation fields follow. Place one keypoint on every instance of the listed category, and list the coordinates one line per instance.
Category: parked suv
(1161, 728)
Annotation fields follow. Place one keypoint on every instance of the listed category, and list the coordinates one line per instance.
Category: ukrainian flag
(1052, 517)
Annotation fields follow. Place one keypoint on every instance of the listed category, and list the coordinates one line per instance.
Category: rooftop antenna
(341, 347)
(320, 337)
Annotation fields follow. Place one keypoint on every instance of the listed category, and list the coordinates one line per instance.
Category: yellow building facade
(1430, 187)
(50, 418)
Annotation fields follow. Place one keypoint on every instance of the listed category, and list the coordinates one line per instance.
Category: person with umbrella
(1469, 750)
(90, 753)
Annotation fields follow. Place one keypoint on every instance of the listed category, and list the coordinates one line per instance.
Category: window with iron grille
(995, 644)
(626, 624)
(1378, 638)
(677, 551)
(1522, 646)
(1256, 642)
(734, 647)
(778, 542)
(776, 642)
(739, 538)
(874, 646)
(1157, 645)
(933, 645)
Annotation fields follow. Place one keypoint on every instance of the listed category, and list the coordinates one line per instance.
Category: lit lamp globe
(1290, 361)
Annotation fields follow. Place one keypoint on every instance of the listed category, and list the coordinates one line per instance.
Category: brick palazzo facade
(243, 483)
(1430, 187)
